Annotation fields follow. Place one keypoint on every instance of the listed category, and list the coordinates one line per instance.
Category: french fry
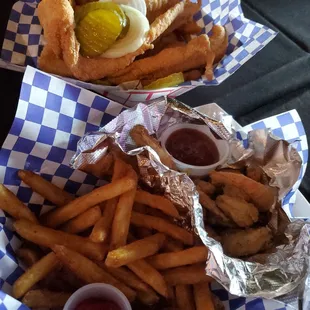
(12, 205)
(101, 230)
(186, 275)
(100, 168)
(28, 256)
(184, 297)
(157, 202)
(121, 221)
(172, 245)
(34, 274)
(135, 251)
(83, 221)
(141, 137)
(45, 188)
(123, 274)
(144, 293)
(150, 276)
(48, 237)
(148, 298)
(189, 256)
(203, 296)
(88, 271)
(45, 299)
(163, 226)
(81, 204)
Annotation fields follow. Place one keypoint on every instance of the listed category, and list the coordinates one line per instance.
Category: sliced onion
(139, 26)
(137, 4)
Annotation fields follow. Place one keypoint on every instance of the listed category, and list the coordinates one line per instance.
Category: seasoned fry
(45, 188)
(157, 202)
(184, 297)
(28, 256)
(244, 214)
(83, 221)
(135, 251)
(163, 226)
(142, 138)
(101, 167)
(189, 256)
(45, 299)
(262, 196)
(12, 205)
(172, 245)
(88, 271)
(81, 204)
(206, 187)
(48, 237)
(186, 275)
(246, 242)
(121, 221)
(102, 228)
(148, 298)
(34, 274)
(125, 275)
(157, 7)
(203, 296)
(150, 276)
(191, 75)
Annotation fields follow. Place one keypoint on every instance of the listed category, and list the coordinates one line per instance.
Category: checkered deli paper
(24, 40)
(51, 117)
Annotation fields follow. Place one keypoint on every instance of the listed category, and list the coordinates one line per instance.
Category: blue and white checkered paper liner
(24, 40)
(52, 115)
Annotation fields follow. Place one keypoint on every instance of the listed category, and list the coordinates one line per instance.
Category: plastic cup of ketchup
(194, 149)
(98, 296)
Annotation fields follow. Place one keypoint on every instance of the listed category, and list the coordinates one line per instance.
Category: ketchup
(192, 147)
(97, 304)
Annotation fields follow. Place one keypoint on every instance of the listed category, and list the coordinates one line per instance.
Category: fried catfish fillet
(246, 242)
(170, 60)
(262, 196)
(244, 214)
(57, 20)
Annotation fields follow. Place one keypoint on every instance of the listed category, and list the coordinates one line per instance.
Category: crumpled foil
(285, 269)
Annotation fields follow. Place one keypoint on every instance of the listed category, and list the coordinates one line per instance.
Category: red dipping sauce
(97, 304)
(192, 147)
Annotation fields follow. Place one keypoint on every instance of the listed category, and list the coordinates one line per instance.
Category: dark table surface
(277, 79)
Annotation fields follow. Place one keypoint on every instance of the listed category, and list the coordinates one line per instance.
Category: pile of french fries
(117, 234)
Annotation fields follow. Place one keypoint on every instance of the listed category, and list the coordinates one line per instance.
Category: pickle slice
(83, 10)
(168, 81)
(98, 31)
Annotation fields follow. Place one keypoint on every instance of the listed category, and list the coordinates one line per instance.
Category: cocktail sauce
(192, 147)
(97, 304)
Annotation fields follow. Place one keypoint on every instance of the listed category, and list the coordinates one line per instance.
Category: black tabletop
(277, 79)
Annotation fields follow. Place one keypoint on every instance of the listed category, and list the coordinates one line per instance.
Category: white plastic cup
(102, 291)
(197, 171)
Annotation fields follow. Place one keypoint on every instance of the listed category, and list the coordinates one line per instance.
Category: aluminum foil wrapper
(285, 269)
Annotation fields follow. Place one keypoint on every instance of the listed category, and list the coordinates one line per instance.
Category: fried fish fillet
(57, 20)
(236, 192)
(170, 60)
(156, 8)
(142, 138)
(244, 214)
(212, 208)
(246, 242)
(262, 196)
(49, 62)
(219, 42)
